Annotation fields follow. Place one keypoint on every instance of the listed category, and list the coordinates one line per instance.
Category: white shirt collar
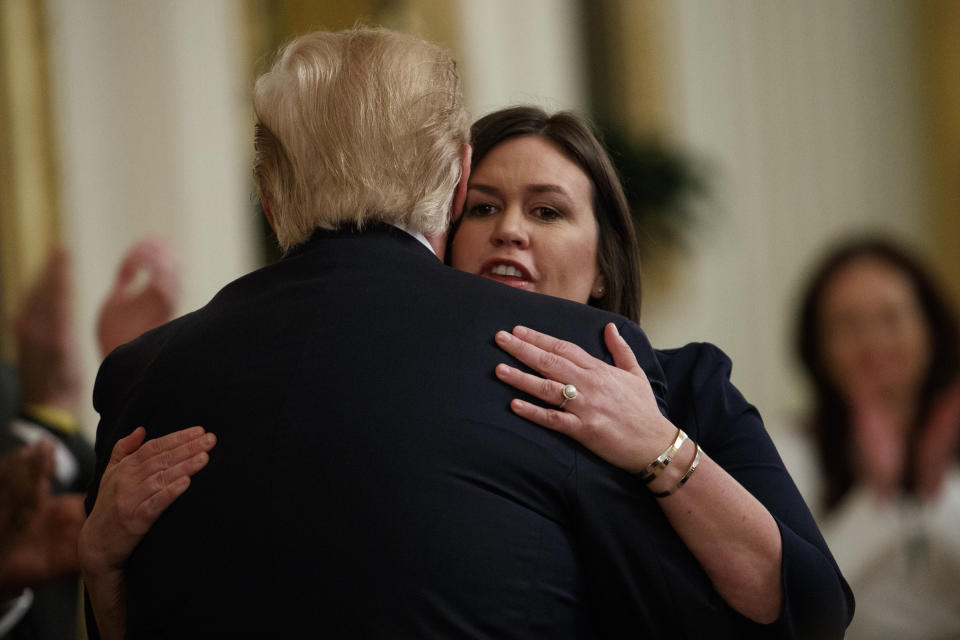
(419, 236)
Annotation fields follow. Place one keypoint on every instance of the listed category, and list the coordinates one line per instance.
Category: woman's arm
(733, 536)
(138, 485)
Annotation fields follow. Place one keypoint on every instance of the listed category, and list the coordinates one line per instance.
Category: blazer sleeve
(640, 580)
(818, 602)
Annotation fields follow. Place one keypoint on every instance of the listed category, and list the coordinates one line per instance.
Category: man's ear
(439, 241)
(268, 211)
(460, 193)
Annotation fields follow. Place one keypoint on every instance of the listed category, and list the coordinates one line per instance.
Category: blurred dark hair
(618, 256)
(830, 418)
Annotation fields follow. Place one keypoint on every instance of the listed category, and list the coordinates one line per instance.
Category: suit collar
(373, 231)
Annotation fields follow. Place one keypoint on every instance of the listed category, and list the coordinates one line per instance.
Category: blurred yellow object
(58, 418)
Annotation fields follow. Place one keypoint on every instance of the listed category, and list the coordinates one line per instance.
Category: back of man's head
(358, 126)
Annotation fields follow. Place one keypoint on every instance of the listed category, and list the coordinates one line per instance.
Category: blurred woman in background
(880, 345)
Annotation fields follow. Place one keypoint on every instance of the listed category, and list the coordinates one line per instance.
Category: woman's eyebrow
(532, 188)
(547, 188)
(493, 191)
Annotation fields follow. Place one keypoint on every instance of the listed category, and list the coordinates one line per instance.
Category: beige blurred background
(813, 118)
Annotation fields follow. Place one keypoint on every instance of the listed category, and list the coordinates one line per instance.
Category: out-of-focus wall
(521, 52)
(153, 123)
(807, 112)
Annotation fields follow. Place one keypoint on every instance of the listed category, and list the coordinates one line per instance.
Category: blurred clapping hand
(48, 364)
(937, 448)
(38, 530)
(144, 294)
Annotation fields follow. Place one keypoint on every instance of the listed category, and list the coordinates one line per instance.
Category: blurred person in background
(48, 463)
(879, 342)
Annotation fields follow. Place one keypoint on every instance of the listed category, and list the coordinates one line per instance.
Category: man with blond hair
(369, 479)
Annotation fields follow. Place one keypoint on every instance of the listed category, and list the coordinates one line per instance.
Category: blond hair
(358, 126)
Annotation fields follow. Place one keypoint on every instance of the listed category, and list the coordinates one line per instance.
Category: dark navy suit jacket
(370, 480)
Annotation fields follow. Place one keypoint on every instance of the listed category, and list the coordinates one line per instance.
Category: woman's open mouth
(508, 273)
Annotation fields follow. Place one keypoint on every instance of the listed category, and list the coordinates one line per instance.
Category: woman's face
(875, 338)
(529, 222)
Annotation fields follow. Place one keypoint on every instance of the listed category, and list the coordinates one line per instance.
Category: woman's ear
(599, 288)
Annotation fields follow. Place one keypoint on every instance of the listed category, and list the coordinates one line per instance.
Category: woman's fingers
(623, 355)
(170, 449)
(141, 500)
(562, 348)
(163, 445)
(155, 473)
(560, 421)
(164, 477)
(174, 458)
(126, 446)
(169, 486)
(542, 388)
(551, 364)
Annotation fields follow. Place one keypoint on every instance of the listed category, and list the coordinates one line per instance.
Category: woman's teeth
(506, 270)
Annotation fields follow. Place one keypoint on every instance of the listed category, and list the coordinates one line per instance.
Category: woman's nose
(510, 230)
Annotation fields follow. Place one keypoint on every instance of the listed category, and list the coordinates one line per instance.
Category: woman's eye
(480, 210)
(546, 213)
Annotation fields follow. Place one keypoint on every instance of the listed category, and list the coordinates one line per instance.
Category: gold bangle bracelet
(655, 468)
(683, 480)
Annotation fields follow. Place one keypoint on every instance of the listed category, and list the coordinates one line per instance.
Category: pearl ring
(569, 392)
